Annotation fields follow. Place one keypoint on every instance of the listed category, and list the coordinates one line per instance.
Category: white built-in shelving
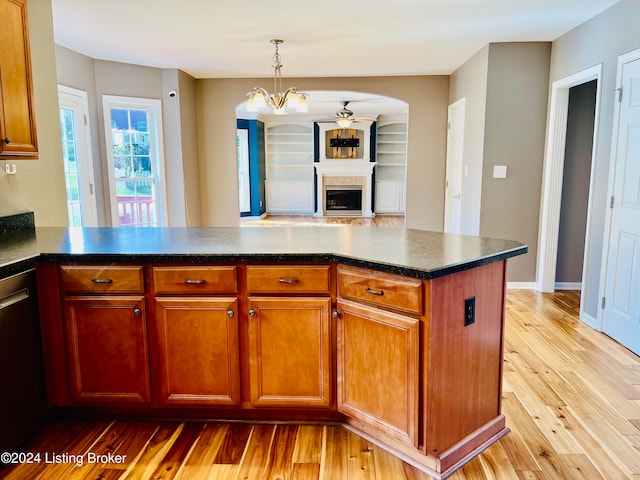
(391, 169)
(289, 164)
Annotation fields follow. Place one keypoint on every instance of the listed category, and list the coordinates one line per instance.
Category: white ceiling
(329, 38)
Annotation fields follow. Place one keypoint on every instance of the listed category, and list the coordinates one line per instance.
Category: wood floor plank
(334, 454)
(496, 463)
(280, 462)
(309, 444)
(178, 452)
(199, 462)
(234, 444)
(386, 465)
(306, 471)
(361, 464)
(254, 460)
(154, 452)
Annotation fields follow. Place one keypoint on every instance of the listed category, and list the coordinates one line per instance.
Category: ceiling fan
(344, 117)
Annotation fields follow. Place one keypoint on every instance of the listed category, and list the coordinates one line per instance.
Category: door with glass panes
(133, 131)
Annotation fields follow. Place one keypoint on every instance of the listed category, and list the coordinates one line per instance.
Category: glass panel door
(76, 153)
(135, 162)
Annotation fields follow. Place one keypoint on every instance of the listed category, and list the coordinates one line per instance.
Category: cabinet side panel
(464, 363)
(53, 349)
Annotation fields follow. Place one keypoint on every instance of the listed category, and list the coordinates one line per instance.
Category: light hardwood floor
(571, 396)
(302, 220)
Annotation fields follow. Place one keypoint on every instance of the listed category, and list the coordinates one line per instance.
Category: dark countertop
(415, 253)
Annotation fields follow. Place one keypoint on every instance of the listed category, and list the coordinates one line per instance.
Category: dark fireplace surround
(343, 200)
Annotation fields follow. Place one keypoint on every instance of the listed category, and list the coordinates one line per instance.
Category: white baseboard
(568, 286)
(522, 286)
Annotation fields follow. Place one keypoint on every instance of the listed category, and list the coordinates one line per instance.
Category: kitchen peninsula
(396, 333)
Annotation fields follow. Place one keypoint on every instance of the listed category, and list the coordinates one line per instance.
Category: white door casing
(455, 157)
(551, 196)
(621, 316)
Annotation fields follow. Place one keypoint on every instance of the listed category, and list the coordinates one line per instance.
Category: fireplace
(350, 179)
(343, 200)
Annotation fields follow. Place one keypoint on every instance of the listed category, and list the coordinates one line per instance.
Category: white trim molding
(552, 180)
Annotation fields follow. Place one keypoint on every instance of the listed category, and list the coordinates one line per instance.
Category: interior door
(455, 150)
(78, 162)
(622, 293)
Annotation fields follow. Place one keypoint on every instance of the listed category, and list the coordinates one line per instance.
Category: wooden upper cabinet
(17, 117)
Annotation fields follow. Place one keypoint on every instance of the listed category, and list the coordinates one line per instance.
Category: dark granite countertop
(415, 253)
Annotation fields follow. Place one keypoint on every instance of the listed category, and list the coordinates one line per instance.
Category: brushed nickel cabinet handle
(198, 281)
(102, 280)
(288, 280)
(335, 314)
(374, 292)
(230, 313)
(6, 140)
(252, 313)
(137, 312)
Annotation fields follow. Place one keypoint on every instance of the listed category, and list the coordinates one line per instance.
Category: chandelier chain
(279, 100)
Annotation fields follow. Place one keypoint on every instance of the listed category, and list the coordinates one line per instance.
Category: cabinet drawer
(106, 279)
(383, 289)
(288, 279)
(197, 280)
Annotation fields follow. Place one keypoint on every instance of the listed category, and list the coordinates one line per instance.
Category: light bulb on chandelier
(278, 101)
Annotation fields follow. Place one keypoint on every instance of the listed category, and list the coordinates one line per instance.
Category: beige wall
(515, 121)
(189, 127)
(505, 86)
(39, 184)
(427, 98)
(470, 82)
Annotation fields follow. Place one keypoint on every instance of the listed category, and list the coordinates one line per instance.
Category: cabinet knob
(252, 313)
(335, 314)
(6, 140)
(230, 313)
(137, 312)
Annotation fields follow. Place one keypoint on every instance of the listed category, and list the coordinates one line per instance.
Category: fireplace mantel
(345, 172)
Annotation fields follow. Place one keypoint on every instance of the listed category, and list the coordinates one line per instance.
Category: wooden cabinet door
(199, 352)
(17, 119)
(290, 351)
(378, 369)
(106, 341)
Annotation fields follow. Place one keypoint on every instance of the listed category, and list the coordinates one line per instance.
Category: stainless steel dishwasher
(22, 393)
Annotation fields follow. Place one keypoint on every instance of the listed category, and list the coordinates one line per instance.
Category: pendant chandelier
(278, 101)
